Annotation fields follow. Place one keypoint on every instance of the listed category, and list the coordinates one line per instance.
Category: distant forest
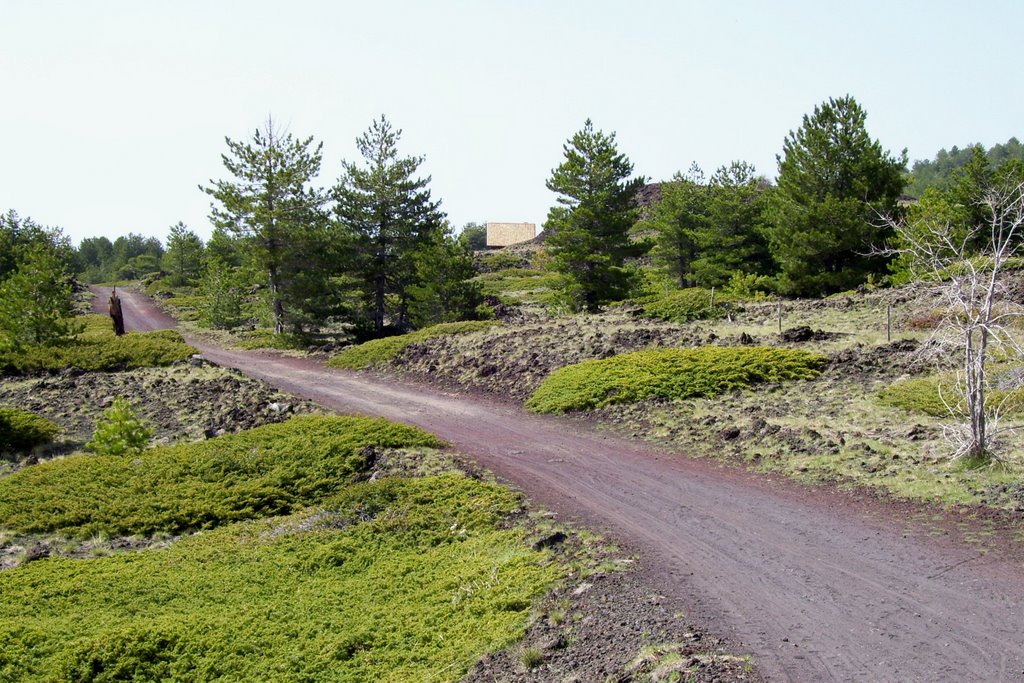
(939, 171)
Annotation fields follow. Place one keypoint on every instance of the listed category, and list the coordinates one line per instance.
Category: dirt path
(809, 584)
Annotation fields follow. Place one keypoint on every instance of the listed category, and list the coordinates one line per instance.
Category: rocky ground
(610, 627)
(186, 401)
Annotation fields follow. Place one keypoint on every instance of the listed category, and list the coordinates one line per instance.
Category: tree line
(820, 228)
(376, 252)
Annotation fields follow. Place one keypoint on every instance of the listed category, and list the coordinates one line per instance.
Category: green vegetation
(473, 236)
(21, 431)
(684, 305)
(923, 396)
(120, 431)
(274, 469)
(822, 219)
(502, 260)
(668, 374)
(523, 286)
(588, 231)
(185, 307)
(703, 234)
(97, 349)
(379, 351)
(396, 580)
(942, 171)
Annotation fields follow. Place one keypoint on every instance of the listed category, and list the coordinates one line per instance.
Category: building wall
(504, 234)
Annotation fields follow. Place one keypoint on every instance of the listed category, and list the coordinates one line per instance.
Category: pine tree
(834, 182)
(675, 222)
(446, 291)
(733, 239)
(588, 232)
(35, 301)
(392, 218)
(184, 255)
(271, 204)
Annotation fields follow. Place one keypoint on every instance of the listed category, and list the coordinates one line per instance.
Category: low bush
(668, 374)
(922, 395)
(97, 349)
(377, 351)
(21, 431)
(522, 285)
(269, 470)
(684, 305)
(186, 307)
(392, 580)
(489, 263)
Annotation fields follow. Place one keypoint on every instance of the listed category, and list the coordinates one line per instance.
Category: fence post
(780, 317)
(888, 322)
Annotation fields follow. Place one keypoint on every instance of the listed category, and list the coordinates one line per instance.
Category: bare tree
(945, 257)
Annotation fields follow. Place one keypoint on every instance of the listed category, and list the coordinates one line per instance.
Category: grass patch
(922, 395)
(668, 374)
(684, 305)
(21, 431)
(97, 349)
(379, 351)
(523, 286)
(394, 580)
(270, 470)
(184, 307)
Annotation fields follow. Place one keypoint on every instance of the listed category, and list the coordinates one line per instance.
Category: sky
(115, 112)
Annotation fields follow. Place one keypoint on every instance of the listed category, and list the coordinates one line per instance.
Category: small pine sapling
(120, 431)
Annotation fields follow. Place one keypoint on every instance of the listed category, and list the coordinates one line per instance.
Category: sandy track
(810, 584)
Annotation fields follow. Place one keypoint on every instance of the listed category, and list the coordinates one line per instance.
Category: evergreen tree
(184, 255)
(392, 219)
(445, 292)
(222, 296)
(35, 300)
(473, 236)
(675, 221)
(589, 229)
(271, 204)
(223, 248)
(733, 237)
(19, 236)
(834, 182)
(92, 256)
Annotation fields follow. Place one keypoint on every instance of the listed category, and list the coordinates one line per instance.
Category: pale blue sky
(114, 112)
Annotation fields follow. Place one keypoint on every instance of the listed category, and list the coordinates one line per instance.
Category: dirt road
(815, 586)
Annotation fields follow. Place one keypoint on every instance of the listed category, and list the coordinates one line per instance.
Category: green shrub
(522, 285)
(379, 351)
(684, 305)
(501, 260)
(921, 395)
(669, 374)
(21, 431)
(120, 431)
(408, 580)
(269, 470)
(96, 349)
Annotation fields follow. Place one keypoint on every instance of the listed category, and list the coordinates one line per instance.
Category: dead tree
(946, 259)
(116, 314)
